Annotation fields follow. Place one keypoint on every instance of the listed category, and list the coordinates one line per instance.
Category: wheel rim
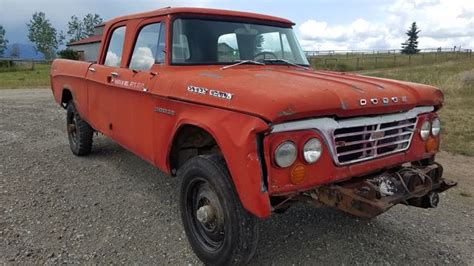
(72, 128)
(205, 214)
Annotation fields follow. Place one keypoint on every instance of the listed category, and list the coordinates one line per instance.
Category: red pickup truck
(228, 102)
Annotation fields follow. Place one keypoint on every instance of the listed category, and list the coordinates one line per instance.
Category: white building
(88, 48)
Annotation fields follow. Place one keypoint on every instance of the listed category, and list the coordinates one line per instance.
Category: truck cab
(228, 102)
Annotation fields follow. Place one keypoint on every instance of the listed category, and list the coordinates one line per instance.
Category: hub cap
(205, 214)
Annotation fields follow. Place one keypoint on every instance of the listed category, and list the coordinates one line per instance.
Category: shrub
(68, 54)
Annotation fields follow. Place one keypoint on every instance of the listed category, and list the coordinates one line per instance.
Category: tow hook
(370, 196)
(433, 199)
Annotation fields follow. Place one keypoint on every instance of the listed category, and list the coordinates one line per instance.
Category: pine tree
(411, 45)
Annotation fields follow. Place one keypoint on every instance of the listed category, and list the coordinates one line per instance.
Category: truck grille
(360, 143)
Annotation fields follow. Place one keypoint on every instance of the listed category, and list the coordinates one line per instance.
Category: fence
(15, 64)
(370, 59)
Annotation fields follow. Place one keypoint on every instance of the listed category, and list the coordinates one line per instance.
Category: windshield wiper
(242, 62)
(286, 62)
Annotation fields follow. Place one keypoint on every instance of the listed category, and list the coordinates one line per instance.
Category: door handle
(114, 74)
(91, 69)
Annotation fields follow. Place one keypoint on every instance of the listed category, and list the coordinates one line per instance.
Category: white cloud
(444, 23)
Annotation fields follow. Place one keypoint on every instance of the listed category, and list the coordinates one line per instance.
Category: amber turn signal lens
(298, 174)
(431, 145)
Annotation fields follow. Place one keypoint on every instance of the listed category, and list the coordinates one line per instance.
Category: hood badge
(385, 100)
(214, 93)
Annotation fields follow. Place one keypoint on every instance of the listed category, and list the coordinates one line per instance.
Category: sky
(320, 24)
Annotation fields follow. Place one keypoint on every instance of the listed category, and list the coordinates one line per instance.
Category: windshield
(200, 41)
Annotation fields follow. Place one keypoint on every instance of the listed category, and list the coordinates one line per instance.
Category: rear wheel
(79, 132)
(219, 229)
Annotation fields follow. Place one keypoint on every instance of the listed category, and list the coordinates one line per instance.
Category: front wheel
(219, 229)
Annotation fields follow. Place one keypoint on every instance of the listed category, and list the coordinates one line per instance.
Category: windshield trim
(223, 18)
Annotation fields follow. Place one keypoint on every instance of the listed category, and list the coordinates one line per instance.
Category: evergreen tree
(3, 41)
(411, 45)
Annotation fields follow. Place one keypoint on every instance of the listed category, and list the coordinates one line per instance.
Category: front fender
(236, 135)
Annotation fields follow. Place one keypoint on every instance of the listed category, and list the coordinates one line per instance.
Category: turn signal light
(298, 174)
(431, 145)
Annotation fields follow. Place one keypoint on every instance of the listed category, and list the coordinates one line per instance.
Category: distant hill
(27, 51)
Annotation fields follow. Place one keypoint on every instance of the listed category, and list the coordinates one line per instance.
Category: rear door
(134, 104)
(101, 95)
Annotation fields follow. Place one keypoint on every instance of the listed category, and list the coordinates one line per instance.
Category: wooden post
(375, 62)
(33, 64)
(357, 67)
(394, 60)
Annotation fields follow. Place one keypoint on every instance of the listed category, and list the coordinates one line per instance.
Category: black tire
(79, 132)
(226, 234)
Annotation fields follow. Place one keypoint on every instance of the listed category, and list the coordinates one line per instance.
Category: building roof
(93, 39)
(202, 11)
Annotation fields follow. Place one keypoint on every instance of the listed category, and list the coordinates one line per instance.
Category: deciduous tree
(3, 41)
(44, 35)
(78, 29)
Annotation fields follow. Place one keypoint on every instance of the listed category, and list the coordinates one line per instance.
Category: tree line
(47, 39)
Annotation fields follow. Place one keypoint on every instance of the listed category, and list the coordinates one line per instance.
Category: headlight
(425, 130)
(436, 127)
(312, 150)
(285, 154)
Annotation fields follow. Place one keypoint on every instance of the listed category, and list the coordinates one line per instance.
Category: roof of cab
(202, 11)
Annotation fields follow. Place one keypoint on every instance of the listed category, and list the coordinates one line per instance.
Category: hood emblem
(385, 100)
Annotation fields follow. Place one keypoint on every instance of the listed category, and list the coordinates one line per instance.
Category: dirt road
(113, 207)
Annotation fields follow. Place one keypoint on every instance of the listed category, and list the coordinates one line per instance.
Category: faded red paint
(262, 96)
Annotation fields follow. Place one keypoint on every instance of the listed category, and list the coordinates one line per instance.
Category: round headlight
(425, 130)
(285, 154)
(436, 127)
(312, 150)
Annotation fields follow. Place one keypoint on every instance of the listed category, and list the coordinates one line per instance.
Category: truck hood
(280, 93)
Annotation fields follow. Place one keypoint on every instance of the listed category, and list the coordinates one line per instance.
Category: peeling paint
(344, 105)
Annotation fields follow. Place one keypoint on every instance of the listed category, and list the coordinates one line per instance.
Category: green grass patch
(26, 78)
(456, 80)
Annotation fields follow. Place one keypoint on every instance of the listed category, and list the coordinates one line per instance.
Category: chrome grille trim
(364, 144)
(327, 128)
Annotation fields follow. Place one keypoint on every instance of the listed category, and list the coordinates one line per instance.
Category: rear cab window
(114, 53)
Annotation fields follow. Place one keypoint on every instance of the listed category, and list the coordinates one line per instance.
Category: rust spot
(210, 75)
(358, 89)
(287, 112)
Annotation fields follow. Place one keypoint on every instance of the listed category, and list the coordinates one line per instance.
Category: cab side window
(149, 47)
(115, 49)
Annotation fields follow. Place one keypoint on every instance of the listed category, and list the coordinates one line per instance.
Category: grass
(39, 77)
(456, 80)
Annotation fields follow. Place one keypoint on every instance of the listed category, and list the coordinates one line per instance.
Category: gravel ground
(113, 207)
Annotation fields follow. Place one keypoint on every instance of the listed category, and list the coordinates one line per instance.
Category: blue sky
(321, 24)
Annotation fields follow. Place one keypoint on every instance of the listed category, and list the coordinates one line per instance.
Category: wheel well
(191, 141)
(66, 97)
